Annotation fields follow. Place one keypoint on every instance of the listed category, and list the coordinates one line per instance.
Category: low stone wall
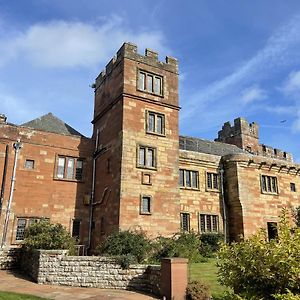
(55, 267)
(9, 259)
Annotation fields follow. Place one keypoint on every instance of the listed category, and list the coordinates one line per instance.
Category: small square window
(146, 178)
(69, 168)
(212, 181)
(29, 164)
(293, 187)
(145, 204)
(155, 123)
(269, 184)
(188, 179)
(208, 223)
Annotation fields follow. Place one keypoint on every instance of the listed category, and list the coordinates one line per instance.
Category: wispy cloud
(291, 87)
(74, 44)
(281, 49)
(252, 94)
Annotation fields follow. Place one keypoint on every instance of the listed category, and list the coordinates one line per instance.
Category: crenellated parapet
(130, 51)
(274, 152)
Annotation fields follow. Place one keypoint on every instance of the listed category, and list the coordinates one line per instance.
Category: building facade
(136, 172)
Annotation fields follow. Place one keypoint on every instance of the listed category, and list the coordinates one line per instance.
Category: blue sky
(237, 58)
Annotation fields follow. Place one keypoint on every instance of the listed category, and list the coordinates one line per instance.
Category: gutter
(222, 177)
(4, 178)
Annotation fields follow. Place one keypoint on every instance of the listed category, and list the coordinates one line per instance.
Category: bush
(184, 244)
(258, 268)
(124, 243)
(198, 290)
(47, 236)
(126, 260)
(288, 296)
(210, 243)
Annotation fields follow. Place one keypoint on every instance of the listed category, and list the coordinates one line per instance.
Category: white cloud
(292, 86)
(253, 93)
(74, 44)
(280, 50)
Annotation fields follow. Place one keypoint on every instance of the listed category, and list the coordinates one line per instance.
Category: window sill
(145, 213)
(147, 168)
(156, 134)
(189, 188)
(212, 190)
(68, 180)
(150, 93)
(270, 193)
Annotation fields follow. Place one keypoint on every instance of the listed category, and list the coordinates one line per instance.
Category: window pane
(185, 221)
(188, 178)
(79, 165)
(208, 223)
(149, 83)
(181, 177)
(70, 168)
(209, 180)
(60, 167)
(21, 225)
(76, 228)
(274, 185)
(159, 125)
(151, 119)
(215, 223)
(141, 83)
(145, 205)
(269, 186)
(202, 223)
(142, 161)
(264, 184)
(194, 179)
(215, 181)
(150, 158)
(29, 164)
(157, 85)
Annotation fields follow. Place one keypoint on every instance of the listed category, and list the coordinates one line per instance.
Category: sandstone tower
(136, 126)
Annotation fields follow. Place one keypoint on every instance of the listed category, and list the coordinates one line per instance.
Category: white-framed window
(149, 82)
(269, 184)
(69, 168)
(185, 221)
(188, 179)
(155, 123)
(208, 223)
(146, 205)
(146, 157)
(212, 181)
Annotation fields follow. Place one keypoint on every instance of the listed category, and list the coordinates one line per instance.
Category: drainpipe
(4, 178)
(17, 146)
(91, 206)
(223, 202)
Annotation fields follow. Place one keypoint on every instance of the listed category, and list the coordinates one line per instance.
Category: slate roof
(209, 147)
(51, 123)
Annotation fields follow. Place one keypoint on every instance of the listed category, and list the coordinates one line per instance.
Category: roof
(209, 147)
(51, 123)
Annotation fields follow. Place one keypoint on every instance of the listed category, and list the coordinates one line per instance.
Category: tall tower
(136, 121)
(242, 134)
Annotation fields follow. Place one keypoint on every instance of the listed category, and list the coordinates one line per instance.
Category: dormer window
(151, 83)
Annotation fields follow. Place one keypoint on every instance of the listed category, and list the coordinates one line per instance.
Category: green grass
(15, 296)
(207, 272)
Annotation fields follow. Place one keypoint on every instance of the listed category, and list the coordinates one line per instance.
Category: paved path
(14, 282)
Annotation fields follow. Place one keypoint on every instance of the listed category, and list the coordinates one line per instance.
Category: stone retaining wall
(9, 259)
(55, 267)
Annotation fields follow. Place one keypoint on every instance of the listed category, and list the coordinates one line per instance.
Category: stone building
(136, 171)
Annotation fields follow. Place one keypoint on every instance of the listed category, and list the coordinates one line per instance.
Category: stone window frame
(68, 158)
(149, 209)
(269, 184)
(145, 165)
(28, 221)
(28, 166)
(213, 175)
(156, 115)
(293, 187)
(185, 224)
(208, 228)
(145, 88)
(183, 184)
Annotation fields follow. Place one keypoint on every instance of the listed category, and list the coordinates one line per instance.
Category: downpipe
(4, 178)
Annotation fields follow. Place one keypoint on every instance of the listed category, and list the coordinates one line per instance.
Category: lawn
(15, 296)
(207, 272)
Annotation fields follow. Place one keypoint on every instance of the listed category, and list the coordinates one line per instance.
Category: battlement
(129, 51)
(3, 118)
(275, 153)
(241, 126)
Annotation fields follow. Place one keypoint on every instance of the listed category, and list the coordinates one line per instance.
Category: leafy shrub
(126, 242)
(126, 260)
(198, 290)
(231, 296)
(210, 243)
(288, 296)
(47, 236)
(184, 244)
(258, 268)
